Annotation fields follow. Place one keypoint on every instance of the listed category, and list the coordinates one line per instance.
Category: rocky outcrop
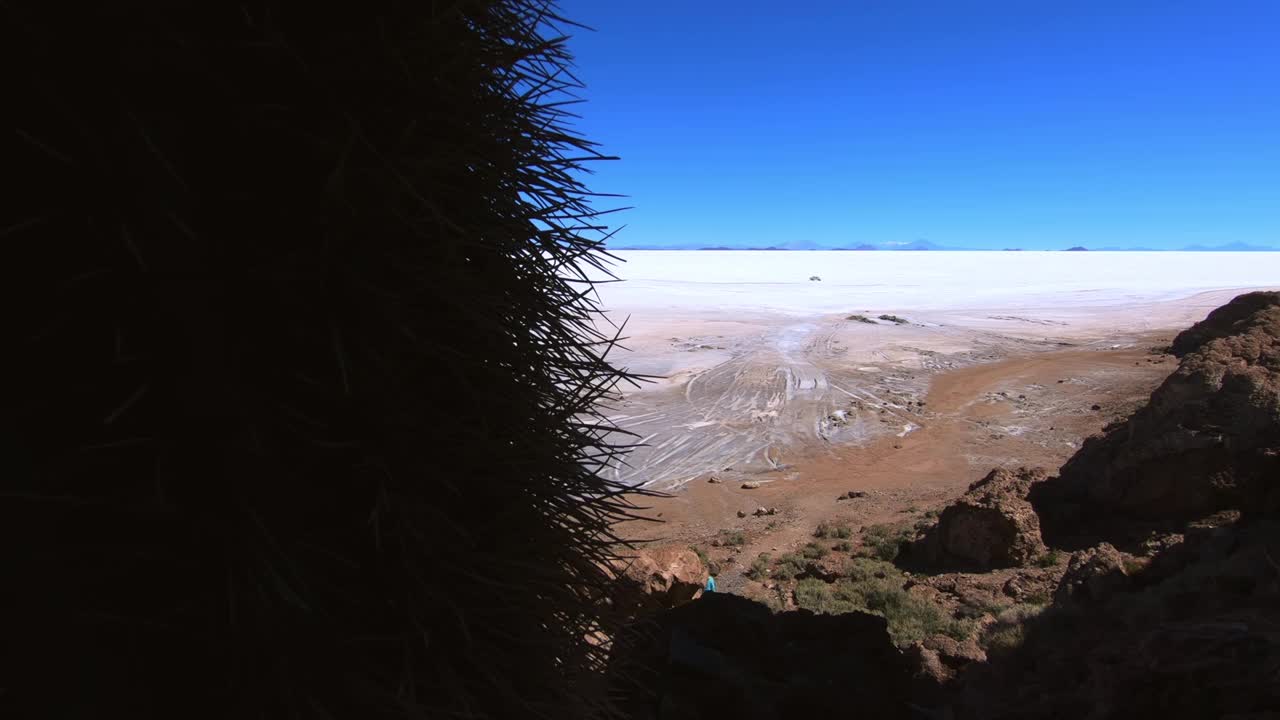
(1200, 640)
(1230, 319)
(1094, 574)
(991, 526)
(724, 656)
(1190, 481)
(1208, 440)
(659, 579)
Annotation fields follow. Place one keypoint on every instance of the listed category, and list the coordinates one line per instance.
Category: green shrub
(876, 587)
(813, 551)
(1048, 559)
(1004, 639)
(1007, 634)
(827, 530)
(759, 567)
(789, 566)
(842, 546)
(884, 541)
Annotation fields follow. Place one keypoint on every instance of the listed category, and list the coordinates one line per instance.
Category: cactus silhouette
(304, 414)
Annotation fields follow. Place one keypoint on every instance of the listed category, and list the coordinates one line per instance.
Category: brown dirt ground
(968, 428)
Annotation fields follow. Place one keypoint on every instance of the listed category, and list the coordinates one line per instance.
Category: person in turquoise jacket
(711, 584)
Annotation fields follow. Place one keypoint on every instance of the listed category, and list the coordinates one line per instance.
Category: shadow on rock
(1193, 635)
(724, 656)
(1207, 441)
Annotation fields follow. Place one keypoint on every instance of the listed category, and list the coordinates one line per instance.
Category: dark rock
(1201, 642)
(1209, 438)
(992, 525)
(1230, 319)
(724, 656)
(1094, 575)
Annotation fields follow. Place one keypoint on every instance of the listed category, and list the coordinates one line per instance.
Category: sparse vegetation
(884, 542)
(1040, 597)
(789, 566)
(876, 587)
(1004, 639)
(759, 569)
(1008, 633)
(1049, 559)
(894, 319)
(712, 566)
(813, 551)
(827, 530)
(862, 319)
(842, 546)
(732, 538)
(976, 609)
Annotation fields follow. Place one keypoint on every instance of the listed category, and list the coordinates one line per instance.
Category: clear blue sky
(980, 124)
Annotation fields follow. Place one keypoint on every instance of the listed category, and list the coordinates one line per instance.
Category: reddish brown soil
(968, 428)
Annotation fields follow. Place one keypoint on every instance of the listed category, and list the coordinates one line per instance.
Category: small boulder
(991, 526)
(659, 578)
(742, 513)
(714, 480)
(750, 485)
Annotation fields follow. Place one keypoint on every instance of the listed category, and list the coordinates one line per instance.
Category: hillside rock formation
(1208, 440)
(991, 526)
(1224, 321)
(1188, 626)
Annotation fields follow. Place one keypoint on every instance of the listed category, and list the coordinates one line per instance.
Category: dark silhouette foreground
(300, 420)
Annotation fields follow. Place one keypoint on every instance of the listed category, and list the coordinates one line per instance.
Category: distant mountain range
(918, 245)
